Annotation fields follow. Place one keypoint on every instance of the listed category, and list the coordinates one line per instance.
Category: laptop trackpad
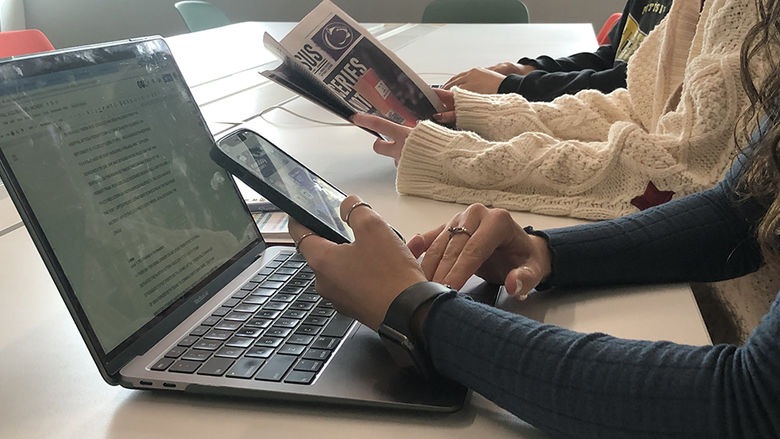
(364, 370)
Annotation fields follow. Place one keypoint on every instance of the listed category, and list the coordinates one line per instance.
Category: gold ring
(300, 240)
(349, 212)
(458, 229)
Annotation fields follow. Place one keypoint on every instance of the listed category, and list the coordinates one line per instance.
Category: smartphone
(285, 182)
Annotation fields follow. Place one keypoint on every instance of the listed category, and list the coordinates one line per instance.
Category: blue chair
(201, 15)
(476, 11)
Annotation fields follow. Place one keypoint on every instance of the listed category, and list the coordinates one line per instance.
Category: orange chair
(22, 42)
(603, 35)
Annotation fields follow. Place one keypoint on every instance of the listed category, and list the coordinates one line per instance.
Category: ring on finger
(300, 240)
(458, 229)
(356, 205)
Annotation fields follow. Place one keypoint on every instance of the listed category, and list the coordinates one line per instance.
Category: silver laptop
(106, 157)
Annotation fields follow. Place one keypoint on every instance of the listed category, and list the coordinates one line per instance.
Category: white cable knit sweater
(589, 154)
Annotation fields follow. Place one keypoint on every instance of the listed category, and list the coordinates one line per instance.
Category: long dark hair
(760, 69)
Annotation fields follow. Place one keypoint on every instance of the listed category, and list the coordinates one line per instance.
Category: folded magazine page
(354, 67)
(291, 74)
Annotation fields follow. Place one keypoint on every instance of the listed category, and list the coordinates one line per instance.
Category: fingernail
(437, 116)
(519, 295)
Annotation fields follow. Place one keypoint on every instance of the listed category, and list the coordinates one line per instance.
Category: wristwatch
(396, 330)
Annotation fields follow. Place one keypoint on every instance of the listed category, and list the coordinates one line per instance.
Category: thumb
(419, 243)
(521, 280)
(445, 117)
(447, 98)
(309, 244)
(416, 245)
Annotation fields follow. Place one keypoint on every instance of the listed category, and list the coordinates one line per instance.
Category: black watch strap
(399, 314)
(396, 331)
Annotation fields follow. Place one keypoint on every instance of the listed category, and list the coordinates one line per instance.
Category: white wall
(73, 22)
(11, 15)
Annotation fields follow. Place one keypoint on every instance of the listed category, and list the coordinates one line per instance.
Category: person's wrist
(413, 303)
(402, 328)
(416, 322)
(417, 325)
(542, 249)
(527, 62)
(388, 294)
(526, 69)
(540, 245)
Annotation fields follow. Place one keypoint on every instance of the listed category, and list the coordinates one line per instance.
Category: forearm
(543, 86)
(603, 58)
(532, 171)
(575, 385)
(703, 237)
(587, 116)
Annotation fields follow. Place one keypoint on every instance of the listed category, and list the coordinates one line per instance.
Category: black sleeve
(703, 237)
(540, 85)
(581, 71)
(602, 58)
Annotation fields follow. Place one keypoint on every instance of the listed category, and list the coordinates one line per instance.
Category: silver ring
(458, 229)
(349, 212)
(300, 240)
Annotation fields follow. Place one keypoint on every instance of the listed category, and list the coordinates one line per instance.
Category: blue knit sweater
(575, 385)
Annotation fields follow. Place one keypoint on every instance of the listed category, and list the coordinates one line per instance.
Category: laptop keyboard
(274, 328)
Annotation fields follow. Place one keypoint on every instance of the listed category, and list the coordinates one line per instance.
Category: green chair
(475, 11)
(201, 15)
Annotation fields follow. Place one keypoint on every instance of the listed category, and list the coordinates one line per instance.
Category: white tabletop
(50, 387)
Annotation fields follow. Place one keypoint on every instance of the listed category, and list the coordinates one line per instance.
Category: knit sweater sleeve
(582, 155)
(576, 385)
(543, 169)
(589, 155)
(672, 242)
(587, 115)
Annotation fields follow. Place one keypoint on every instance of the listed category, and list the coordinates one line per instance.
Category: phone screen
(290, 179)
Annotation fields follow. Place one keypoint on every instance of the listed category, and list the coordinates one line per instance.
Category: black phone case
(278, 199)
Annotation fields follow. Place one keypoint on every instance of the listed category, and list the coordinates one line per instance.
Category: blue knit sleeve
(575, 385)
(706, 236)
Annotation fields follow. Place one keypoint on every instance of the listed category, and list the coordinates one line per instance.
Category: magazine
(273, 227)
(333, 61)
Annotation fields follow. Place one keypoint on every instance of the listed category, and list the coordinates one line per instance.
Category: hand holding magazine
(331, 60)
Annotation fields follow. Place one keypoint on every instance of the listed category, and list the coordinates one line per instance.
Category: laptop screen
(112, 156)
